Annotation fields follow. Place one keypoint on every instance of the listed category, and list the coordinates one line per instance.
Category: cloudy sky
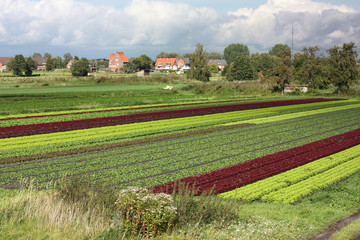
(95, 29)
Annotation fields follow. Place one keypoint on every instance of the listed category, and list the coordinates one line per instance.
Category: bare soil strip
(330, 231)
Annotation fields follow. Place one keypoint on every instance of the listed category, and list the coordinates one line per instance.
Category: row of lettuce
(27, 129)
(14, 147)
(226, 179)
(72, 115)
(159, 163)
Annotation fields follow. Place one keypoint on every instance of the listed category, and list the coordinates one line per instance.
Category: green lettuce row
(45, 143)
(87, 114)
(261, 188)
(100, 113)
(181, 162)
(99, 109)
(294, 115)
(323, 180)
(85, 134)
(215, 140)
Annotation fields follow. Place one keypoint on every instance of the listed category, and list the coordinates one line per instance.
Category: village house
(172, 64)
(4, 61)
(41, 62)
(117, 61)
(68, 65)
(219, 62)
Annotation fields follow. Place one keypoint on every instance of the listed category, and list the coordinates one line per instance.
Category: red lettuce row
(232, 177)
(33, 129)
(113, 110)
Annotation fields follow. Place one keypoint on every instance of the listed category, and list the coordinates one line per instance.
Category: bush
(204, 209)
(80, 68)
(145, 213)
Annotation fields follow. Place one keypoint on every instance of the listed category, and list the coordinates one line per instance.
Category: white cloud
(314, 23)
(146, 24)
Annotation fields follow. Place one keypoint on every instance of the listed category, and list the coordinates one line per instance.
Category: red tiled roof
(121, 55)
(165, 61)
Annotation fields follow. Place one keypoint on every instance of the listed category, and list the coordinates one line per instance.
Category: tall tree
(342, 70)
(278, 48)
(80, 68)
(143, 62)
(37, 55)
(17, 65)
(30, 66)
(168, 55)
(214, 55)
(199, 69)
(241, 69)
(309, 68)
(263, 64)
(47, 55)
(67, 58)
(234, 50)
(282, 73)
(53, 63)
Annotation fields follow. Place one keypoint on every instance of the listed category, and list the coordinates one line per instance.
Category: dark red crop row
(26, 130)
(232, 177)
(113, 110)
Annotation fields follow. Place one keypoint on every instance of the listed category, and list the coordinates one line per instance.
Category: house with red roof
(170, 63)
(165, 64)
(68, 65)
(118, 61)
(4, 61)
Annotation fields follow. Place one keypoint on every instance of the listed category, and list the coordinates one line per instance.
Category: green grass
(20, 216)
(81, 89)
(351, 232)
(255, 220)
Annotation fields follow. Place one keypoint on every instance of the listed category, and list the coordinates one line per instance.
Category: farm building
(117, 61)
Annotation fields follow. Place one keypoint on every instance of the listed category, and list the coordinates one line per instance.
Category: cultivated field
(291, 163)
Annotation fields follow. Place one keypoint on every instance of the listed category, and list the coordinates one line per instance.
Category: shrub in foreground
(146, 213)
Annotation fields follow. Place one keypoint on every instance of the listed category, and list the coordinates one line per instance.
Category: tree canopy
(342, 69)
(80, 68)
(199, 69)
(278, 48)
(17, 65)
(309, 68)
(30, 66)
(53, 63)
(263, 63)
(234, 50)
(168, 55)
(143, 62)
(241, 69)
(214, 55)
(67, 58)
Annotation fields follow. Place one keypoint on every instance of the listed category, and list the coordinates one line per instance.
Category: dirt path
(329, 232)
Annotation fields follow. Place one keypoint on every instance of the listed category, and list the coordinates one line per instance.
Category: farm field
(290, 155)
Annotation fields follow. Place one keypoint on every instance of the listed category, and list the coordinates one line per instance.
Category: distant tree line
(336, 66)
(318, 70)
